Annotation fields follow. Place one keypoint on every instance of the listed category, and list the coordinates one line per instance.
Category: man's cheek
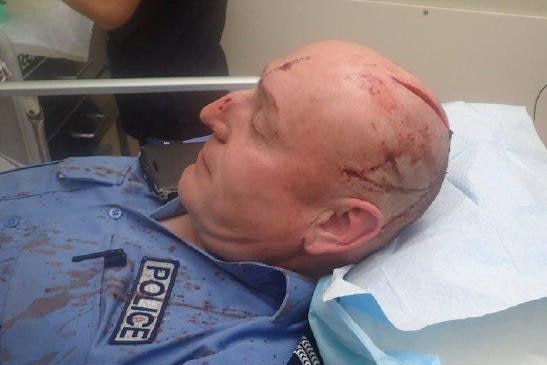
(183, 177)
(244, 177)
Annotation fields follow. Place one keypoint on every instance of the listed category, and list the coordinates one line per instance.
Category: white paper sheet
(457, 287)
(482, 245)
(53, 31)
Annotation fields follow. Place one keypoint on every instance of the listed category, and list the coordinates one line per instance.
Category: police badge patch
(141, 316)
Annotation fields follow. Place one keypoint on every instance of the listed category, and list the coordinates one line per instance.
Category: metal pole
(124, 86)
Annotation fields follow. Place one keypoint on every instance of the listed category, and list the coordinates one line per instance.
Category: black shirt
(168, 38)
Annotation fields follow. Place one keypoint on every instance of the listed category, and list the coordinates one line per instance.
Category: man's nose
(214, 117)
(219, 115)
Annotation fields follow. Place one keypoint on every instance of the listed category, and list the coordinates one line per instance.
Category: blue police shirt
(57, 311)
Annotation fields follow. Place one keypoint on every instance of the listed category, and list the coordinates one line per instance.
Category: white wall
(525, 7)
(461, 54)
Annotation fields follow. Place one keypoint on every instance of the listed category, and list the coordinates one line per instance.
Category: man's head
(334, 152)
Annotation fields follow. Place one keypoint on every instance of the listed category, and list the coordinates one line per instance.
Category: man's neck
(182, 227)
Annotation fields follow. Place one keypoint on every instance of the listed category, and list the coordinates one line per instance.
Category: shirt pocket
(50, 301)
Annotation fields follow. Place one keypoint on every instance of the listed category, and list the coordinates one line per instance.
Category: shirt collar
(170, 209)
(107, 170)
(292, 291)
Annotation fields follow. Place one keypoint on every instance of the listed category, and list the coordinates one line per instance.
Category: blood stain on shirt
(41, 307)
(44, 360)
(5, 356)
(81, 278)
(5, 239)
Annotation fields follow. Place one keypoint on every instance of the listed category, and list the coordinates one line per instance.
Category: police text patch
(143, 310)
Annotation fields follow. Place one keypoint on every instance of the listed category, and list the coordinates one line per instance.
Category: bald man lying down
(327, 159)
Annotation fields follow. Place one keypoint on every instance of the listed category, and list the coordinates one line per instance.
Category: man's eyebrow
(263, 71)
(267, 94)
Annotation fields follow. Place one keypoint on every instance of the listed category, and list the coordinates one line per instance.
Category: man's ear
(351, 223)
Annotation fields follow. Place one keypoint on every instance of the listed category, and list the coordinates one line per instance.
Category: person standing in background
(161, 38)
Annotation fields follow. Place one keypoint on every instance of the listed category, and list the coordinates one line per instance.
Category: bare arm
(108, 14)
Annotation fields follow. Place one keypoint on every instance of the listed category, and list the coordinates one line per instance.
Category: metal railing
(124, 86)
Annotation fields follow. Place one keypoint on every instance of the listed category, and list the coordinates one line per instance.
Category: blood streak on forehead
(286, 66)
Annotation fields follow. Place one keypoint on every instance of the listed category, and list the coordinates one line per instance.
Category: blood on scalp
(426, 99)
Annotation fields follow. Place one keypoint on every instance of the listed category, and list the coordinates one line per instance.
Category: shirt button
(11, 221)
(115, 213)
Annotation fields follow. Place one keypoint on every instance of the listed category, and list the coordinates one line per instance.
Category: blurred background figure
(161, 38)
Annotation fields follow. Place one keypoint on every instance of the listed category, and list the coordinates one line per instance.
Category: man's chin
(184, 186)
